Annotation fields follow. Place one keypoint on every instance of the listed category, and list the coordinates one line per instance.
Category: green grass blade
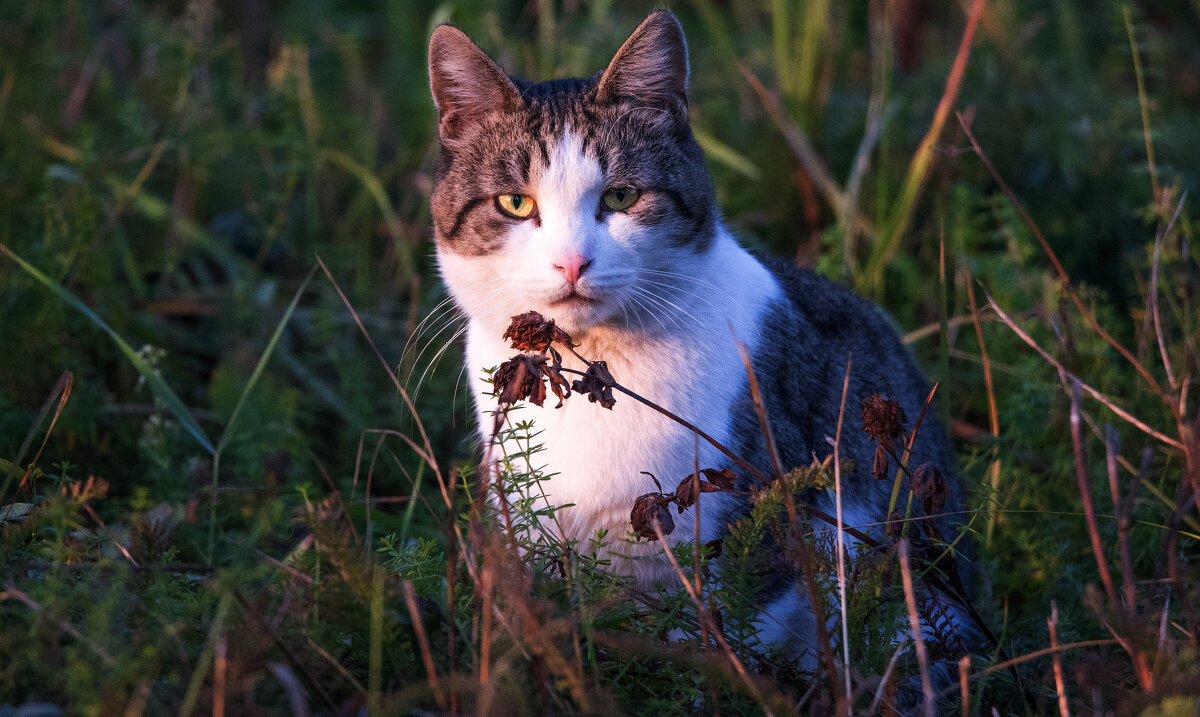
(262, 361)
(378, 193)
(160, 388)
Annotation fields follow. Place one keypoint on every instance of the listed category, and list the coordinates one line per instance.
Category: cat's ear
(651, 67)
(466, 83)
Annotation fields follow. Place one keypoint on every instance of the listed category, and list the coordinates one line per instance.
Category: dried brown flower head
(533, 332)
(894, 528)
(598, 384)
(648, 508)
(520, 378)
(883, 419)
(928, 484)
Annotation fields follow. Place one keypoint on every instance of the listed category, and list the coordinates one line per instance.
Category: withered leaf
(646, 509)
(928, 484)
(597, 383)
(883, 419)
(685, 492)
(723, 478)
(882, 465)
(533, 332)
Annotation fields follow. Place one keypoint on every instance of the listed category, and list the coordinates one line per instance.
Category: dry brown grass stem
(914, 621)
(410, 600)
(1085, 489)
(11, 592)
(1127, 416)
(993, 411)
(425, 450)
(918, 168)
(883, 681)
(1159, 238)
(964, 684)
(1123, 510)
(220, 669)
(802, 554)
(841, 538)
(706, 616)
(1064, 280)
(1060, 682)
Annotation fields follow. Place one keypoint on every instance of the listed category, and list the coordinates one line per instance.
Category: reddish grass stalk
(1085, 490)
(993, 410)
(410, 599)
(914, 179)
(1124, 513)
(914, 621)
(219, 671)
(1126, 415)
(1064, 280)
(1060, 683)
(964, 684)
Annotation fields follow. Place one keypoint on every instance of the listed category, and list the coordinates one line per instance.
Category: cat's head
(578, 198)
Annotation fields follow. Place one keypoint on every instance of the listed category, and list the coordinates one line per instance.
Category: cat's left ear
(651, 68)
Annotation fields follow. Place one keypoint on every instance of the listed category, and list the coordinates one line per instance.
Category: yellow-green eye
(517, 206)
(618, 199)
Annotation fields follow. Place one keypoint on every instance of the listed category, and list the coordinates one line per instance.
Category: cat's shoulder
(824, 304)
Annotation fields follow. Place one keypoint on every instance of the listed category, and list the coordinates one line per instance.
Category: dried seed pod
(533, 332)
(646, 509)
(597, 383)
(883, 419)
(927, 483)
(894, 528)
(882, 465)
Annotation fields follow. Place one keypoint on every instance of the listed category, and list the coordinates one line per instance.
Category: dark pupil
(619, 195)
(517, 201)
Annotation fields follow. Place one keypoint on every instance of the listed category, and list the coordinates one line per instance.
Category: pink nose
(572, 266)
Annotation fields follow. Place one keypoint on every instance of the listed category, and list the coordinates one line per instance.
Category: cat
(588, 201)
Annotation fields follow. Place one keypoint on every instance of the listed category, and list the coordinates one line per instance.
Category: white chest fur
(689, 365)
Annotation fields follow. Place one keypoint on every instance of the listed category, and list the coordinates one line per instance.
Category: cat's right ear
(467, 85)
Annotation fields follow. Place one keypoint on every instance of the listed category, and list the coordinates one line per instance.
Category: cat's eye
(517, 206)
(618, 199)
